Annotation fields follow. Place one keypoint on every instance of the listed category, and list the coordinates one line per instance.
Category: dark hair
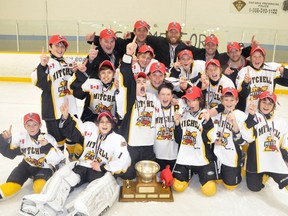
(167, 85)
(201, 102)
(112, 121)
(270, 100)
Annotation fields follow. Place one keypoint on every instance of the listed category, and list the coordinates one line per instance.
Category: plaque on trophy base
(146, 188)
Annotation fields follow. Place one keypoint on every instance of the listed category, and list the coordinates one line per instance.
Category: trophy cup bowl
(147, 169)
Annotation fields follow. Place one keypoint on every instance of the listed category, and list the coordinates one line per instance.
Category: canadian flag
(94, 87)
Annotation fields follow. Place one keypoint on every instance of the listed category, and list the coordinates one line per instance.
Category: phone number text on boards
(263, 11)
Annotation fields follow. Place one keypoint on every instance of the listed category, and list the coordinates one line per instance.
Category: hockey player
(214, 82)
(186, 69)
(51, 77)
(138, 108)
(156, 76)
(229, 126)
(41, 156)
(105, 154)
(145, 57)
(193, 132)
(267, 150)
(186, 66)
(101, 92)
(165, 147)
(257, 77)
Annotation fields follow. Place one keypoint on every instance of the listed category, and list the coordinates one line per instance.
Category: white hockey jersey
(267, 138)
(32, 152)
(228, 152)
(195, 143)
(165, 146)
(262, 80)
(101, 99)
(136, 68)
(214, 93)
(53, 83)
(110, 150)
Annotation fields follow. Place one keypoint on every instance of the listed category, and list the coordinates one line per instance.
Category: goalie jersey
(110, 150)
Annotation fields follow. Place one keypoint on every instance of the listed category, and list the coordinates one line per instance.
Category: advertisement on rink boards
(258, 7)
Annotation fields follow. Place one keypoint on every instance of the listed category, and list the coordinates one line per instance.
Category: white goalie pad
(97, 197)
(51, 201)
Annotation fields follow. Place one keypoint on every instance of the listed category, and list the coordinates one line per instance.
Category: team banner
(261, 7)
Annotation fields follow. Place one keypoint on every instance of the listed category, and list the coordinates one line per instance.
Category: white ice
(17, 99)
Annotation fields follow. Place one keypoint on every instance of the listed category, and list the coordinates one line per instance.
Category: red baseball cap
(107, 114)
(107, 33)
(192, 93)
(107, 63)
(230, 90)
(141, 23)
(32, 117)
(267, 94)
(140, 74)
(212, 61)
(158, 66)
(55, 39)
(258, 48)
(211, 39)
(185, 52)
(174, 25)
(233, 45)
(146, 48)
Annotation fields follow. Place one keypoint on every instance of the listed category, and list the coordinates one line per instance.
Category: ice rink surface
(17, 99)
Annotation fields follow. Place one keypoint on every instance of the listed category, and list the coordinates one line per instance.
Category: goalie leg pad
(97, 197)
(55, 192)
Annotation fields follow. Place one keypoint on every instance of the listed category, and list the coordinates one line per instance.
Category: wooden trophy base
(144, 192)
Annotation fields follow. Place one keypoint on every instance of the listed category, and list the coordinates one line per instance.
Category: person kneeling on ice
(268, 145)
(41, 156)
(193, 132)
(105, 154)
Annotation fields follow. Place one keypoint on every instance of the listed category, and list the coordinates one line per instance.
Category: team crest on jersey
(270, 144)
(145, 119)
(102, 108)
(223, 138)
(164, 133)
(189, 138)
(35, 162)
(257, 91)
(63, 89)
(90, 155)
